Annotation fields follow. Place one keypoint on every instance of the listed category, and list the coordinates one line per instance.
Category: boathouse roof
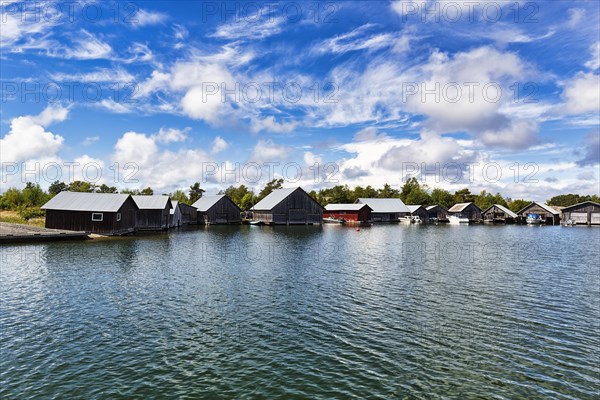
(83, 201)
(414, 207)
(385, 205)
(274, 198)
(458, 207)
(591, 203)
(542, 205)
(503, 209)
(204, 203)
(345, 207)
(152, 202)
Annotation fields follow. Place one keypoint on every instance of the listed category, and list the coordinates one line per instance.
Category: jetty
(13, 233)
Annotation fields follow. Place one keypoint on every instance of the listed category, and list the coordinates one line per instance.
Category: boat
(533, 219)
(407, 220)
(257, 222)
(457, 220)
(334, 221)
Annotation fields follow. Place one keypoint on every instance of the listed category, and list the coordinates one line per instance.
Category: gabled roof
(414, 208)
(384, 205)
(346, 207)
(152, 202)
(542, 205)
(77, 201)
(174, 203)
(429, 208)
(580, 204)
(276, 197)
(503, 209)
(459, 207)
(204, 203)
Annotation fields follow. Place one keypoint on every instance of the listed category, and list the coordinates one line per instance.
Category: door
(596, 218)
(297, 216)
(579, 218)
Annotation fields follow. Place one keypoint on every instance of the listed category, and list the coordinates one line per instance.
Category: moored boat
(533, 219)
(457, 220)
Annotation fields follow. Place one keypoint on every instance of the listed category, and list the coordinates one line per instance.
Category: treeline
(27, 201)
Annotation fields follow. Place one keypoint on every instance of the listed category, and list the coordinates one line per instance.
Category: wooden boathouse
(351, 213)
(419, 211)
(154, 212)
(466, 210)
(437, 212)
(101, 213)
(549, 215)
(498, 214)
(291, 206)
(586, 213)
(182, 214)
(217, 209)
(385, 210)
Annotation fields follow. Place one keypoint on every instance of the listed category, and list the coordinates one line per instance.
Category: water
(305, 312)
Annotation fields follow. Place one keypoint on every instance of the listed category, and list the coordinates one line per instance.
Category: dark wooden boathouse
(182, 214)
(291, 206)
(385, 210)
(419, 211)
(466, 210)
(437, 212)
(498, 214)
(217, 209)
(549, 215)
(586, 213)
(101, 213)
(154, 212)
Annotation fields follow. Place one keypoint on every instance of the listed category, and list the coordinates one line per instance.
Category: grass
(13, 217)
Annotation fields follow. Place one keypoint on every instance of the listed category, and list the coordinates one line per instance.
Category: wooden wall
(494, 214)
(550, 218)
(297, 209)
(439, 212)
(586, 214)
(224, 211)
(152, 219)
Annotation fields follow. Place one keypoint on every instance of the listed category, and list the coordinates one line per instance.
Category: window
(97, 216)
(118, 216)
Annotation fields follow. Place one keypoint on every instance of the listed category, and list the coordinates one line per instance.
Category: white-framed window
(118, 216)
(97, 216)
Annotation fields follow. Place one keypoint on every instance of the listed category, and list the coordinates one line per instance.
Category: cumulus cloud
(219, 145)
(28, 138)
(268, 151)
(269, 124)
(582, 94)
(145, 18)
(591, 150)
(594, 62)
(171, 135)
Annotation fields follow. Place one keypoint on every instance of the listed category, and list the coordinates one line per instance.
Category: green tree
(33, 195)
(388, 192)
(133, 192)
(56, 187)
(247, 202)
(180, 196)
(269, 187)
(517, 205)
(195, 192)
(441, 197)
(413, 192)
(147, 191)
(12, 199)
(236, 194)
(464, 196)
(367, 193)
(81, 186)
(107, 189)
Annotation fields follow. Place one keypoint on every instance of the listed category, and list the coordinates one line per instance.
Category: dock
(18, 233)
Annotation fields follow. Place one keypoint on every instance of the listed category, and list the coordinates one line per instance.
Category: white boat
(257, 222)
(457, 220)
(533, 219)
(334, 221)
(407, 220)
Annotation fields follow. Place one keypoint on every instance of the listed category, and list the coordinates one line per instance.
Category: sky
(502, 96)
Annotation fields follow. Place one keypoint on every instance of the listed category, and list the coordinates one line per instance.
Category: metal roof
(174, 203)
(503, 209)
(542, 205)
(204, 203)
(345, 207)
(152, 202)
(80, 201)
(274, 198)
(385, 205)
(458, 207)
(429, 208)
(413, 208)
(580, 204)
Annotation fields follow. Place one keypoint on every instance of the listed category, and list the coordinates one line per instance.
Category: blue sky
(183, 91)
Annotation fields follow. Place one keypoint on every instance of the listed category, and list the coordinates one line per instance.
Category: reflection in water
(387, 311)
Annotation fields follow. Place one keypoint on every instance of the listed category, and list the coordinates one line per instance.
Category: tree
(33, 195)
(236, 194)
(147, 191)
(12, 199)
(485, 200)
(195, 192)
(413, 192)
(387, 192)
(442, 197)
(56, 187)
(367, 193)
(81, 186)
(269, 187)
(180, 196)
(133, 192)
(464, 196)
(517, 205)
(107, 189)
(247, 202)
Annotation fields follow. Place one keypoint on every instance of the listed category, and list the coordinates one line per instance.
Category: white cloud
(28, 139)
(594, 62)
(358, 40)
(219, 145)
(145, 18)
(251, 27)
(116, 75)
(582, 94)
(87, 46)
(267, 151)
(90, 140)
(171, 135)
(269, 124)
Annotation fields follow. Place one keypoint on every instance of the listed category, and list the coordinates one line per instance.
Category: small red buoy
(357, 229)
